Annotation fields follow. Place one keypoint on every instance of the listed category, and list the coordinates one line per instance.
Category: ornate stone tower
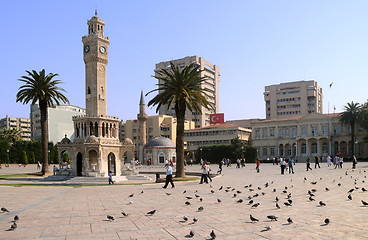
(96, 149)
(142, 118)
(95, 58)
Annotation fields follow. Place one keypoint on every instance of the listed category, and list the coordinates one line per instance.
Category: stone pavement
(63, 212)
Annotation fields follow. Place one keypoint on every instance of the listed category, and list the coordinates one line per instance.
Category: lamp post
(7, 154)
(201, 153)
(242, 147)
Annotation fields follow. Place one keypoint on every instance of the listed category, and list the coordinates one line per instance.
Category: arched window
(88, 90)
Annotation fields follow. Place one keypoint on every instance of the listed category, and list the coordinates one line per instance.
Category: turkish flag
(216, 118)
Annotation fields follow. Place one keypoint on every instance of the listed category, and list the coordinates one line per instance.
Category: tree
(66, 158)
(24, 158)
(363, 117)
(10, 135)
(43, 89)
(351, 116)
(182, 89)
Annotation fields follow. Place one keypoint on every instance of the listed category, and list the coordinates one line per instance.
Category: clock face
(86, 48)
(102, 49)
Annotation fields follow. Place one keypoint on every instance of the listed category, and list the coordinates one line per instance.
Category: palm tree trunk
(352, 138)
(44, 138)
(180, 117)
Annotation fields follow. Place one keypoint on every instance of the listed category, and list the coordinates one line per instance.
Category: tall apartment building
(60, 121)
(293, 99)
(212, 73)
(23, 125)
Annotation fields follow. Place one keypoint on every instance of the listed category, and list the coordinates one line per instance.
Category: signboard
(216, 118)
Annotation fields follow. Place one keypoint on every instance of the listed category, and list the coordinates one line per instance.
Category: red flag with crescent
(216, 118)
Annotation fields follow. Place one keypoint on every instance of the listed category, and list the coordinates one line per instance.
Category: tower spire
(96, 12)
(141, 101)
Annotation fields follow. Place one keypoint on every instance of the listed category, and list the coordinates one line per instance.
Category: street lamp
(242, 147)
(201, 153)
(7, 153)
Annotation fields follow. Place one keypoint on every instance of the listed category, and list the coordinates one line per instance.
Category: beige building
(96, 149)
(212, 73)
(293, 99)
(160, 125)
(23, 125)
(218, 134)
(306, 136)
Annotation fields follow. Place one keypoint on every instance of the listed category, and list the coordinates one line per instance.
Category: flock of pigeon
(250, 195)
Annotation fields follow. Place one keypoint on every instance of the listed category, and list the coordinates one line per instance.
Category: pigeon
(259, 188)
(365, 203)
(16, 218)
(255, 205)
(287, 204)
(110, 218)
(4, 209)
(327, 189)
(272, 217)
(249, 197)
(227, 190)
(253, 219)
(327, 221)
(219, 200)
(289, 220)
(274, 190)
(289, 195)
(187, 203)
(284, 191)
(277, 206)
(200, 209)
(351, 190)
(13, 226)
(251, 189)
(339, 184)
(255, 195)
(184, 191)
(311, 199)
(151, 212)
(266, 184)
(285, 188)
(130, 202)
(322, 204)
(131, 195)
(240, 201)
(350, 197)
(212, 191)
(277, 199)
(250, 202)
(238, 192)
(212, 234)
(196, 195)
(263, 193)
(195, 220)
(185, 218)
(290, 201)
(268, 227)
(168, 194)
(220, 188)
(364, 190)
(200, 199)
(234, 195)
(313, 183)
(192, 233)
(124, 214)
(314, 190)
(187, 197)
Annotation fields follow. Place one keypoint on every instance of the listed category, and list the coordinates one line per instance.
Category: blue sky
(254, 43)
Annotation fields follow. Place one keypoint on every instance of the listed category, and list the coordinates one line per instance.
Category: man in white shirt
(168, 176)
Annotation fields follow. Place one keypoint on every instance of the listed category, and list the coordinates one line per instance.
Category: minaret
(95, 59)
(142, 119)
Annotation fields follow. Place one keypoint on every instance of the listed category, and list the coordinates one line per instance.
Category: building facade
(219, 134)
(96, 149)
(212, 74)
(60, 122)
(306, 136)
(293, 99)
(23, 125)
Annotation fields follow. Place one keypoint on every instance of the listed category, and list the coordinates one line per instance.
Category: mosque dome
(65, 140)
(161, 142)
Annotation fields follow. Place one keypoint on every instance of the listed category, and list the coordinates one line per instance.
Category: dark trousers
(317, 164)
(204, 177)
(308, 166)
(209, 177)
(282, 169)
(169, 180)
(111, 181)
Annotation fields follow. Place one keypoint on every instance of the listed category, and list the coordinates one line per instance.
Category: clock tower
(95, 55)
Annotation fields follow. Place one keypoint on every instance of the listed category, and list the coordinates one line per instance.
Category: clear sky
(254, 43)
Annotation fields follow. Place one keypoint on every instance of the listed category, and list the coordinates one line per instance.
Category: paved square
(63, 212)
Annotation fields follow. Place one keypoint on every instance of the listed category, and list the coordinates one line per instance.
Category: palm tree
(43, 89)
(10, 135)
(351, 116)
(182, 89)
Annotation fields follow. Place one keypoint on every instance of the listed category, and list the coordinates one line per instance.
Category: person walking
(168, 176)
(209, 171)
(257, 165)
(291, 167)
(308, 164)
(282, 165)
(205, 170)
(341, 160)
(110, 178)
(328, 160)
(220, 167)
(38, 165)
(336, 161)
(355, 161)
(316, 163)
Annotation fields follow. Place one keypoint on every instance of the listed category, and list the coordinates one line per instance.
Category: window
(325, 130)
(257, 133)
(264, 132)
(264, 151)
(303, 148)
(281, 133)
(272, 132)
(287, 132)
(272, 151)
(303, 131)
(314, 148)
(314, 131)
(293, 132)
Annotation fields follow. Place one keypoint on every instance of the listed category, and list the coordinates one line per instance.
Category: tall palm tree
(182, 89)
(351, 116)
(43, 89)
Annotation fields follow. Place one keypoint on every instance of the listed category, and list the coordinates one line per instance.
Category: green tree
(351, 116)
(182, 89)
(33, 158)
(363, 116)
(25, 158)
(41, 88)
(66, 158)
(10, 135)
